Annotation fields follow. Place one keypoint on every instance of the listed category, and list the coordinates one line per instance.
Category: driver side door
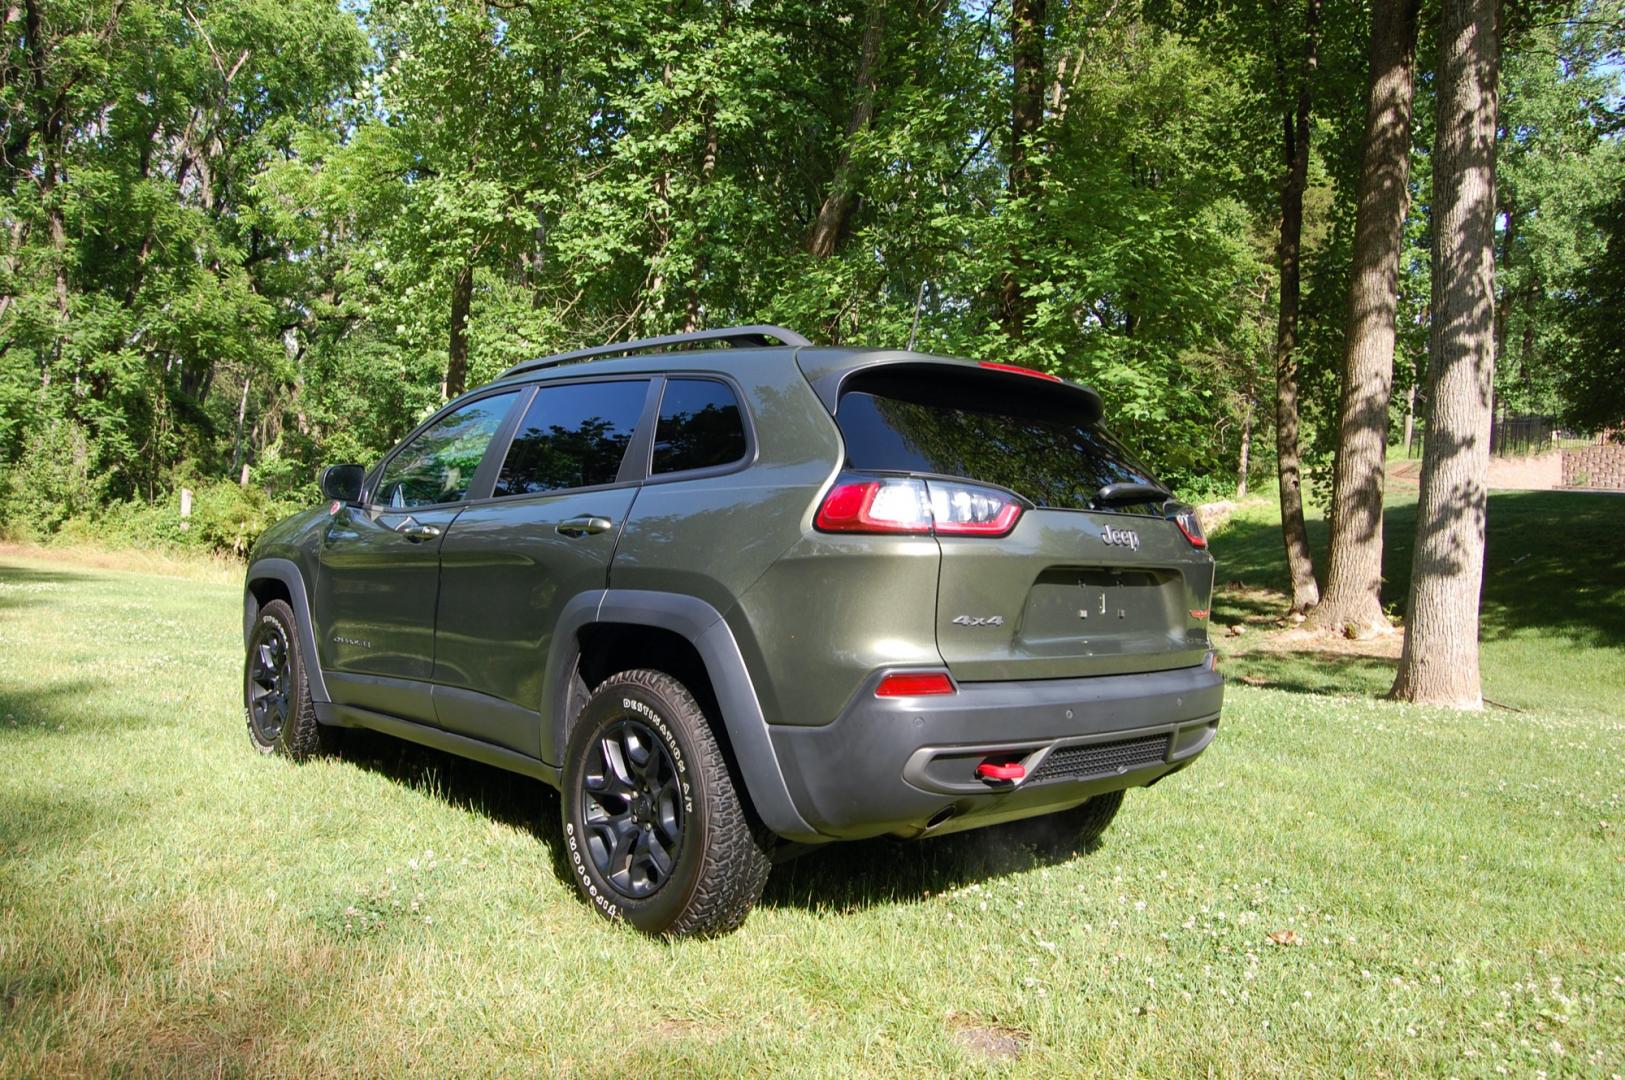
(379, 580)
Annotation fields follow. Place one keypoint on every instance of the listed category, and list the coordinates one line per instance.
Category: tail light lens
(971, 510)
(900, 504)
(889, 505)
(1185, 519)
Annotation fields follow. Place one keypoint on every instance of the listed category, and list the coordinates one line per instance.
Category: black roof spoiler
(828, 370)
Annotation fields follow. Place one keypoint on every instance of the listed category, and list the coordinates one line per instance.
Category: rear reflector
(1019, 370)
(914, 684)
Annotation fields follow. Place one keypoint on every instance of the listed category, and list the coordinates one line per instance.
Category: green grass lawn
(172, 903)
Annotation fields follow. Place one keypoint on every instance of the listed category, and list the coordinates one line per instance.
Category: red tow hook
(1008, 774)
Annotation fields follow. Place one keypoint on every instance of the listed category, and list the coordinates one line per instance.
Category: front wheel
(654, 830)
(276, 695)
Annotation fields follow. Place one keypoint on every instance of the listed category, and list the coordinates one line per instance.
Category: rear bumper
(907, 765)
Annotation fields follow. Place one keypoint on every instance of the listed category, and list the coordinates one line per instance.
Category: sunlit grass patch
(1451, 891)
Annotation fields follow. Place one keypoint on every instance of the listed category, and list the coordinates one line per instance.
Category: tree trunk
(237, 443)
(462, 295)
(1246, 447)
(1354, 574)
(1439, 662)
(1028, 20)
(1410, 417)
(835, 214)
(1300, 564)
(708, 168)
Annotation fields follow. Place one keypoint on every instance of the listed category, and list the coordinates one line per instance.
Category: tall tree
(1295, 126)
(1028, 25)
(1439, 662)
(1354, 575)
(835, 212)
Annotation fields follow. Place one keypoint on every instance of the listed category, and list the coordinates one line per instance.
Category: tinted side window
(699, 427)
(438, 465)
(572, 436)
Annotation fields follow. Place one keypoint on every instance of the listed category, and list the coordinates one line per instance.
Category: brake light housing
(875, 505)
(1189, 526)
(908, 505)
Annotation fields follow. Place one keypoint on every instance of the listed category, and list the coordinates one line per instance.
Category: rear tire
(276, 694)
(1057, 836)
(654, 831)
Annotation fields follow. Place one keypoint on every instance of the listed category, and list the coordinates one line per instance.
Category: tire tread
(734, 863)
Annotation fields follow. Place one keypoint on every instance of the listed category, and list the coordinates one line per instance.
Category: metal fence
(1510, 435)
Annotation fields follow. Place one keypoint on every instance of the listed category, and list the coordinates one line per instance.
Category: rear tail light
(1186, 521)
(891, 505)
(914, 684)
(900, 504)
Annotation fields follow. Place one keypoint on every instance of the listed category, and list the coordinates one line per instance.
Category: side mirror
(343, 482)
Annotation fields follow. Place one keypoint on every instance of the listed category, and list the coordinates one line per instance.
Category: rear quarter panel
(713, 537)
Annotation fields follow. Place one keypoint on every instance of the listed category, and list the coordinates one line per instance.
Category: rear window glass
(572, 436)
(1040, 451)
(700, 427)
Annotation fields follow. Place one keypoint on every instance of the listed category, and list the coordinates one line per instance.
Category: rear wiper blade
(1124, 492)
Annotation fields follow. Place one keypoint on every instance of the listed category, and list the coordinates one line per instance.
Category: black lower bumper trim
(894, 765)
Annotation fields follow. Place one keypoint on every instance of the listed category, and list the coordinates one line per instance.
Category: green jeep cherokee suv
(730, 591)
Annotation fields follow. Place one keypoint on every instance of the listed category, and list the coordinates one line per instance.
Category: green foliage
(54, 478)
(1559, 167)
(1593, 382)
(234, 233)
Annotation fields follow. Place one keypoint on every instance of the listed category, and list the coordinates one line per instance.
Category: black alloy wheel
(654, 830)
(633, 808)
(271, 681)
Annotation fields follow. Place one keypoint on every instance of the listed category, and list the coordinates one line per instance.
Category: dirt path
(1535, 472)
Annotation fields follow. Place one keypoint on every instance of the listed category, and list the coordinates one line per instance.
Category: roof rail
(734, 335)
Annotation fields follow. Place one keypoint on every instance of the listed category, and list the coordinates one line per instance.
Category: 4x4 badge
(979, 620)
(1121, 537)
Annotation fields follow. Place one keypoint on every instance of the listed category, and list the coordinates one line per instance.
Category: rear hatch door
(1084, 584)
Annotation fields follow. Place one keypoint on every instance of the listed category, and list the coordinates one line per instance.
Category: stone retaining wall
(1595, 466)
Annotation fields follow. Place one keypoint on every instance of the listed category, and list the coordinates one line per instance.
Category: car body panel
(1068, 603)
(374, 601)
(506, 573)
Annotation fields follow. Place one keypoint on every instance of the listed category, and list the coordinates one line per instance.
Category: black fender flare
(704, 627)
(287, 572)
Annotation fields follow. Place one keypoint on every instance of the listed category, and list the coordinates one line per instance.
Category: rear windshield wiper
(1123, 493)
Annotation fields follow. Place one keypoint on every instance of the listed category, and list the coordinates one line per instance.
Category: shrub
(229, 518)
(54, 479)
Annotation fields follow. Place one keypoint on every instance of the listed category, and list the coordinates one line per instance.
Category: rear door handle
(417, 531)
(585, 525)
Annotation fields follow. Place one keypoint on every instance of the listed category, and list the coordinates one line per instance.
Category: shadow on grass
(57, 707)
(514, 800)
(26, 587)
(859, 875)
(1312, 672)
(834, 877)
(1553, 563)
